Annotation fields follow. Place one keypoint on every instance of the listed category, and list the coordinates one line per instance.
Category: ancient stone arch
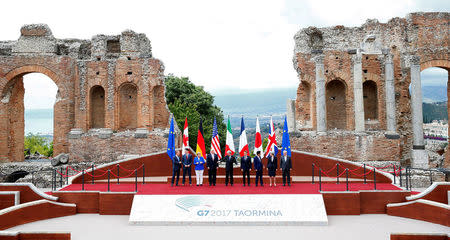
(370, 93)
(336, 104)
(391, 55)
(88, 74)
(128, 106)
(97, 107)
(444, 64)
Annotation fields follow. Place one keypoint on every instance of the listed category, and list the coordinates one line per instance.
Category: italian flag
(229, 142)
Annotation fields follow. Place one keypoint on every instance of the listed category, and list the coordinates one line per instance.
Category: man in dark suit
(212, 162)
(187, 162)
(246, 165)
(229, 163)
(176, 165)
(286, 167)
(257, 162)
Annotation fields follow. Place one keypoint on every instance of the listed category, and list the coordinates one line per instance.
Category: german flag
(200, 140)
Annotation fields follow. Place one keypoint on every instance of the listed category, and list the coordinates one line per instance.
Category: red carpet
(297, 188)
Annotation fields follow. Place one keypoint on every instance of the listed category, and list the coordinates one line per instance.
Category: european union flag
(171, 142)
(286, 144)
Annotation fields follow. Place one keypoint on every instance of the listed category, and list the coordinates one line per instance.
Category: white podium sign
(256, 209)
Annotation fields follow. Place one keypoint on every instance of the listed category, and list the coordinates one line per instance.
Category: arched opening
(336, 105)
(30, 100)
(97, 107)
(435, 107)
(128, 106)
(370, 94)
(305, 104)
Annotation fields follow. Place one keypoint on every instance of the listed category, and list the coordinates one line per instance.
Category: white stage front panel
(256, 209)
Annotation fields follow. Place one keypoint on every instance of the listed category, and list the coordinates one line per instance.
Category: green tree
(36, 143)
(185, 99)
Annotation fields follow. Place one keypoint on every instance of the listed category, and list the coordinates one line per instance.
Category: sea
(39, 121)
(236, 104)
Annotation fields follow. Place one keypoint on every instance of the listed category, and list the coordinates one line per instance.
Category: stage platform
(237, 179)
(236, 209)
(164, 188)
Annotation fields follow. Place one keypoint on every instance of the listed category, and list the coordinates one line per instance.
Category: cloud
(434, 77)
(40, 91)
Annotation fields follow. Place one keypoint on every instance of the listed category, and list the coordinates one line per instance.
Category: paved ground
(367, 227)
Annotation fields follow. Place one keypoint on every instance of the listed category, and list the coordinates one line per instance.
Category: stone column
(419, 155)
(290, 114)
(390, 97)
(358, 94)
(321, 117)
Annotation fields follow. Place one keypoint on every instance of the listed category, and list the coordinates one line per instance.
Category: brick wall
(419, 34)
(346, 145)
(92, 78)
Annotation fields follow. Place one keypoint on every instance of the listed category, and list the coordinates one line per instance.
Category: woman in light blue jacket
(199, 162)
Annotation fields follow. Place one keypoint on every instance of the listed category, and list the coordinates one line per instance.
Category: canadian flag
(258, 139)
(185, 136)
(243, 145)
(229, 141)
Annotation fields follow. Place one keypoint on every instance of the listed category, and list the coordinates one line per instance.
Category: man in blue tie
(187, 162)
(229, 160)
(176, 166)
(212, 162)
(246, 165)
(286, 167)
(258, 167)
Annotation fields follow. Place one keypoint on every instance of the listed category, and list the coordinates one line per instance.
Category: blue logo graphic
(188, 202)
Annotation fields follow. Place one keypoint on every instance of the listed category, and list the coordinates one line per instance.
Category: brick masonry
(109, 81)
(419, 34)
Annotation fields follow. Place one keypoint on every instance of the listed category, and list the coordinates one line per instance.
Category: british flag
(272, 141)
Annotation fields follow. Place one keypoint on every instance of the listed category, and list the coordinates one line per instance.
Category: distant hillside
(434, 94)
(262, 103)
(434, 111)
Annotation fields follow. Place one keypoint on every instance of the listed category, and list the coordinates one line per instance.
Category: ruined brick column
(419, 155)
(320, 96)
(358, 93)
(390, 96)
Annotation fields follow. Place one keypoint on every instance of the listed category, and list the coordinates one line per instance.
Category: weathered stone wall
(422, 35)
(78, 67)
(372, 146)
(97, 147)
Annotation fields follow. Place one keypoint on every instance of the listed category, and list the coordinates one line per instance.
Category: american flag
(215, 143)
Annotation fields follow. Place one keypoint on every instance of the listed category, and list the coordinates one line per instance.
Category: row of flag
(272, 145)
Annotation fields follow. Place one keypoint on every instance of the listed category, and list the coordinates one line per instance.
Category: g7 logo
(202, 213)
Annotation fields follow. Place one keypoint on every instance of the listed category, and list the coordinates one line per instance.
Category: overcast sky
(222, 45)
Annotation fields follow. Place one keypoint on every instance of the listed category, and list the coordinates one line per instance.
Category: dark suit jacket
(246, 163)
(229, 161)
(176, 165)
(187, 160)
(257, 163)
(285, 165)
(212, 161)
(272, 164)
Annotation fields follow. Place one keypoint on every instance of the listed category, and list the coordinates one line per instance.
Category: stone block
(75, 133)
(105, 133)
(141, 133)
